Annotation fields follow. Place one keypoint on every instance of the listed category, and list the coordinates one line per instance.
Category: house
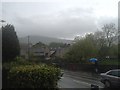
(39, 50)
(59, 51)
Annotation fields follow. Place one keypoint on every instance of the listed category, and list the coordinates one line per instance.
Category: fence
(88, 67)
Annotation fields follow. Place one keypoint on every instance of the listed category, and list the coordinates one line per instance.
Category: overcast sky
(59, 18)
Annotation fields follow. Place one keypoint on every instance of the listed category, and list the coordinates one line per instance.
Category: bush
(33, 76)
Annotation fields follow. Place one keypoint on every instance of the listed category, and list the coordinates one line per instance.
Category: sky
(58, 18)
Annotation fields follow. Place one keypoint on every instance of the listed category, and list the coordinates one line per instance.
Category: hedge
(33, 76)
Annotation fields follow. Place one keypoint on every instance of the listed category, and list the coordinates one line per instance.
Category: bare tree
(110, 33)
(100, 39)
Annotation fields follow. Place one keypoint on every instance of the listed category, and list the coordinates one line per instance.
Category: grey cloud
(58, 19)
(63, 24)
(107, 20)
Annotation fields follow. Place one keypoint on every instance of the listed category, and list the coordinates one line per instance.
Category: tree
(110, 33)
(113, 52)
(105, 39)
(77, 38)
(10, 43)
(101, 44)
(82, 50)
(100, 39)
(119, 51)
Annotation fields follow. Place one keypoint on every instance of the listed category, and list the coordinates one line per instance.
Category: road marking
(81, 82)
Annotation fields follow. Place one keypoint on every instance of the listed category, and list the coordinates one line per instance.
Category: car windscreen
(114, 73)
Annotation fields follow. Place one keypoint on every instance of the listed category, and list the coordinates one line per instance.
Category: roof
(39, 44)
(52, 53)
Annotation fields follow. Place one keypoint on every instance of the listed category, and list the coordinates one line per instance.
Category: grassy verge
(109, 62)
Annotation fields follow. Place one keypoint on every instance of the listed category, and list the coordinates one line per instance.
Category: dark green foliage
(10, 43)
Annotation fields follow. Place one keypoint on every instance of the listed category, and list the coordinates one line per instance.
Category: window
(114, 73)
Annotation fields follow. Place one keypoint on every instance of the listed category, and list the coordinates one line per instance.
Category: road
(74, 81)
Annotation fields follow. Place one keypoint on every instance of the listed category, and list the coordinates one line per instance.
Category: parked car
(111, 78)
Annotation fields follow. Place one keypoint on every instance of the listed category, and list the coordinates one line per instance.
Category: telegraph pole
(28, 48)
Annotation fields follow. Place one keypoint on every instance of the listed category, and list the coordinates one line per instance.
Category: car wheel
(107, 84)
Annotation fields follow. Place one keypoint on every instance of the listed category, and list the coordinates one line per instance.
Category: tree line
(102, 44)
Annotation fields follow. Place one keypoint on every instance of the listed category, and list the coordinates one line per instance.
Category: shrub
(33, 76)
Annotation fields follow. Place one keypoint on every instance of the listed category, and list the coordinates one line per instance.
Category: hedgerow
(30, 76)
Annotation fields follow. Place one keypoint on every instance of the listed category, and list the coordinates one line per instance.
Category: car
(111, 78)
(61, 74)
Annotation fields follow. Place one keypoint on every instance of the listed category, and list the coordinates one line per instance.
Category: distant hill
(43, 39)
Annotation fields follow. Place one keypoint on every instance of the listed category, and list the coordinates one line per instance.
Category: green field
(109, 62)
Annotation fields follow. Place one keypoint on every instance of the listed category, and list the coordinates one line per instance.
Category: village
(40, 50)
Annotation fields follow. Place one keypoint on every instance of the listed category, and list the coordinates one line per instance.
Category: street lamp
(2, 21)
(28, 47)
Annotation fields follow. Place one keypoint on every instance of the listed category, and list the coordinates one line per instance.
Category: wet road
(75, 81)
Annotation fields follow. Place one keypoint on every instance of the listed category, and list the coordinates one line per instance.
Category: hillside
(43, 39)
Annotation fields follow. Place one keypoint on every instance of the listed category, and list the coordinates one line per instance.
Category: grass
(109, 62)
